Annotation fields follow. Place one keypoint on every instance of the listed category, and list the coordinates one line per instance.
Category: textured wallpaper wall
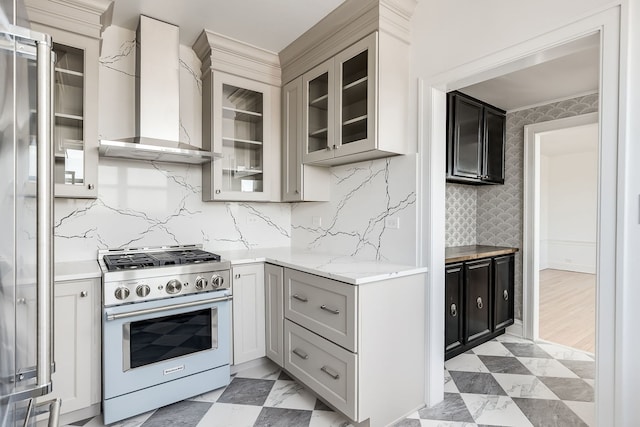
(461, 214)
(500, 207)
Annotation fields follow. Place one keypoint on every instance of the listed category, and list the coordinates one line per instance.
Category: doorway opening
(561, 208)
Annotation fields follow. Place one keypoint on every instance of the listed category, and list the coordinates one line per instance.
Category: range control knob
(122, 293)
(201, 283)
(173, 286)
(217, 281)
(143, 290)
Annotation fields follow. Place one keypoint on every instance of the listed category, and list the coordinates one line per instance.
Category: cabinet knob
(83, 294)
(297, 191)
(453, 310)
(90, 186)
(217, 191)
(505, 295)
(237, 276)
(335, 147)
(479, 303)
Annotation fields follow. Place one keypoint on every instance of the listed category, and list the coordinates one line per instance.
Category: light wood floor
(568, 308)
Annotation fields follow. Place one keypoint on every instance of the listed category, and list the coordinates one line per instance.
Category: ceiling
(579, 139)
(573, 74)
(269, 24)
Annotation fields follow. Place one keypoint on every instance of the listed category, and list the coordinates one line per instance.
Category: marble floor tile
(291, 395)
(182, 414)
(511, 338)
(504, 365)
(549, 413)
(465, 362)
(585, 410)
(546, 367)
(565, 353)
(438, 423)
(282, 417)
(492, 348)
(477, 383)
(581, 368)
(211, 396)
(525, 386)
(449, 385)
(230, 415)
(526, 349)
(592, 383)
(328, 419)
(495, 410)
(573, 389)
(247, 391)
(407, 422)
(452, 408)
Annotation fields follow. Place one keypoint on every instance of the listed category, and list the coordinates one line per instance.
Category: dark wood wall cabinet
(478, 302)
(475, 141)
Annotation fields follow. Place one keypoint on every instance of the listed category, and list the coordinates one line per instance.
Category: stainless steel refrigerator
(26, 216)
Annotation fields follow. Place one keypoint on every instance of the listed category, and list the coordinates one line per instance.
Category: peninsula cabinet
(75, 31)
(478, 302)
(240, 120)
(475, 141)
(343, 341)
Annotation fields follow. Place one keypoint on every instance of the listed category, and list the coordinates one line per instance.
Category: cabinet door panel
(494, 146)
(467, 135)
(355, 95)
(273, 276)
(453, 310)
(291, 141)
(318, 112)
(477, 299)
(503, 279)
(248, 313)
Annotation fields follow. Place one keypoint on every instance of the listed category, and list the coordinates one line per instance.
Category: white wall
(568, 207)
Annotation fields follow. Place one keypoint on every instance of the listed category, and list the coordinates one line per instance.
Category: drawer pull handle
(301, 354)
(453, 310)
(330, 310)
(299, 298)
(331, 374)
(505, 295)
(479, 303)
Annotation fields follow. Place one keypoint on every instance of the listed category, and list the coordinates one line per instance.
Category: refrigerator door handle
(45, 215)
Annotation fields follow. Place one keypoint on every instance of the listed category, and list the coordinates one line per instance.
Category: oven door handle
(161, 309)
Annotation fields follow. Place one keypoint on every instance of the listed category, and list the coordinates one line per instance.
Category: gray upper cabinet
(240, 120)
(355, 83)
(76, 36)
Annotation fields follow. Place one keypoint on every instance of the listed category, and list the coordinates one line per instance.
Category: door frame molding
(431, 225)
(531, 216)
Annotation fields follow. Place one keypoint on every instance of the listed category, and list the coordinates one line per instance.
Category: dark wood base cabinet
(478, 302)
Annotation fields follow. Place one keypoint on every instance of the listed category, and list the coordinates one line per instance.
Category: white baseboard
(516, 329)
(578, 268)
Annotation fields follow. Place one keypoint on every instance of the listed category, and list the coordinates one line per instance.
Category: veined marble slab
(338, 267)
(78, 270)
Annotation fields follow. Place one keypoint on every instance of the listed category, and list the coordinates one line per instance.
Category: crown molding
(222, 53)
(86, 17)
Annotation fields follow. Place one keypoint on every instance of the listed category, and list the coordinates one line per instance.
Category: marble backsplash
(367, 198)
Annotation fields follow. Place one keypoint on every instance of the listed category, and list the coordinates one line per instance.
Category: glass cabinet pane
(69, 115)
(354, 98)
(242, 139)
(318, 113)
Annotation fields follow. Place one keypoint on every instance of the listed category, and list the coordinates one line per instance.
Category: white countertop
(338, 267)
(65, 271)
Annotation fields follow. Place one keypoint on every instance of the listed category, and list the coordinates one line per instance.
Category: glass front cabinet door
(241, 117)
(339, 104)
(75, 116)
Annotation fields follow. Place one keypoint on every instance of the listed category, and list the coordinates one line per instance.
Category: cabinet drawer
(324, 306)
(326, 368)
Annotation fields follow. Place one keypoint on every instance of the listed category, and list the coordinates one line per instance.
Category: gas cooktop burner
(139, 260)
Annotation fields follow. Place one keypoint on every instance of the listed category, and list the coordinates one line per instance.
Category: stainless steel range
(166, 327)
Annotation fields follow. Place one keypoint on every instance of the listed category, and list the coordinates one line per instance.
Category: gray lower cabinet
(274, 326)
(478, 302)
(360, 348)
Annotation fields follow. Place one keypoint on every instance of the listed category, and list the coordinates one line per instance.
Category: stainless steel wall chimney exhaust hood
(157, 101)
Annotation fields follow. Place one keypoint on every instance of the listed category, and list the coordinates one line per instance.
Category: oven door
(150, 343)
